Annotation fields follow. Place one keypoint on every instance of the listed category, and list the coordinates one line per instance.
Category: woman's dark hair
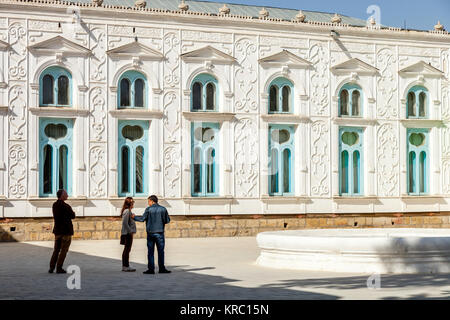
(127, 204)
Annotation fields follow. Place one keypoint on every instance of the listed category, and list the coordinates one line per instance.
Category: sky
(420, 15)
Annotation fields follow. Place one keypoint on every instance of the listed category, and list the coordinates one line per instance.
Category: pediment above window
(3, 45)
(421, 68)
(136, 50)
(285, 58)
(354, 66)
(59, 46)
(208, 53)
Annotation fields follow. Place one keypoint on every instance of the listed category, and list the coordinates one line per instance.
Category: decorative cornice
(64, 112)
(136, 114)
(209, 116)
(284, 118)
(47, 202)
(422, 123)
(286, 199)
(347, 121)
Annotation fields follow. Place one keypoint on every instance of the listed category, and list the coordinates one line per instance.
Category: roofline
(311, 26)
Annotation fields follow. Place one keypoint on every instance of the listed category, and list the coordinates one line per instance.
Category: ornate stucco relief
(319, 56)
(172, 171)
(320, 159)
(246, 157)
(246, 75)
(388, 158)
(97, 171)
(387, 104)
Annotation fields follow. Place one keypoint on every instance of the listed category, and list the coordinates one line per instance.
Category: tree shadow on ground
(23, 275)
(388, 281)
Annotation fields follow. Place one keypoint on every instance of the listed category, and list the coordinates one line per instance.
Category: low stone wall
(98, 228)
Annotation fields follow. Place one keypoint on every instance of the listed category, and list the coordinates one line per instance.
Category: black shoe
(149, 272)
(50, 270)
(61, 271)
(164, 271)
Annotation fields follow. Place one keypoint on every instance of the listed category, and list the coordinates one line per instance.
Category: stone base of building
(101, 228)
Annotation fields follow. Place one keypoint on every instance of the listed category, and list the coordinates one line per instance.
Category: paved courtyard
(213, 268)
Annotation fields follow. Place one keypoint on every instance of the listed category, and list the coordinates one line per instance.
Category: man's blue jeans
(158, 239)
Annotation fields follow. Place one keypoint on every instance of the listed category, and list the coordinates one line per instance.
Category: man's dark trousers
(62, 244)
(158, 240)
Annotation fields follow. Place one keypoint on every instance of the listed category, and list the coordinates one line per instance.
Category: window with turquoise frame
(55, 156)
(133, 158)
(417, 102)
(281, 92)
(350, 101)
(205, 159)
(204, 93)
(132, 90)
(55, 87)
(351, 161)
(281, 160)
(418, 161)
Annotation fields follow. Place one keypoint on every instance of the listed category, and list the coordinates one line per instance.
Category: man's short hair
(153, 198)
(60, 193)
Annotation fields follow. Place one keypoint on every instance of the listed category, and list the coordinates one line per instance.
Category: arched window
(280, 96)
(350, 101)
(418, 166)
(55, 87)
(204, 93)
(132, 90)
(417, 102)
(350, 166)
(281, 146)
(205, 169)
(133, 141)
(55, 156)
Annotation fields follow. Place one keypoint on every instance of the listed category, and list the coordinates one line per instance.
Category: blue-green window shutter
(350, 101)
(418, 161)
(55, 87)
(281, 96)
(417, 103)
(133, 90)
(204, 159)
(205, 93)
(133, 158)
(351, 160)
(281, 160)
(55, 156)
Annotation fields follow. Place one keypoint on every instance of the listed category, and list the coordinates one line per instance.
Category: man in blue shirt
(156, 217)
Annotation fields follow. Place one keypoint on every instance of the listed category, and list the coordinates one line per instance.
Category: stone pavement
(202, 268)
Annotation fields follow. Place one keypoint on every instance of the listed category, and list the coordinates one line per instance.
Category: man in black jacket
(63, 230)
(156, 217)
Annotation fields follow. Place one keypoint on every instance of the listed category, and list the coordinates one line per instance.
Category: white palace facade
(219, 110)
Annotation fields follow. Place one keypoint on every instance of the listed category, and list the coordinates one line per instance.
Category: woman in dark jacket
(128, 229)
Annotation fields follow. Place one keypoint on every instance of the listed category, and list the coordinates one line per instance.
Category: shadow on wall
(420, 256)
(102, 278)
(5, 234)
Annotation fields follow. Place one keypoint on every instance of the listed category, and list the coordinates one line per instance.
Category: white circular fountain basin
(357, 250)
